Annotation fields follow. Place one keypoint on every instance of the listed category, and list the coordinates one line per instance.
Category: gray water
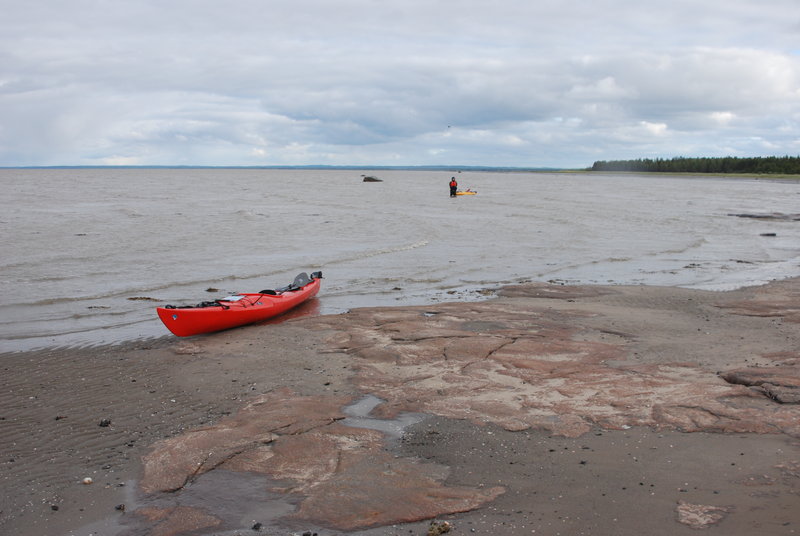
(358, 416)
(87, 254)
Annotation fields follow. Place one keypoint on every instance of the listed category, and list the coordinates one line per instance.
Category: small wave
(379, 252)
(749, 275)
(386, 251)
(250, 215)
(152, 291)
(63, 333)
(694, 245)
(80, 299)
(44, 279)
(131, 213)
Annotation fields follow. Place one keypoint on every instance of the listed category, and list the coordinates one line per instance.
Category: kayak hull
(246, 308)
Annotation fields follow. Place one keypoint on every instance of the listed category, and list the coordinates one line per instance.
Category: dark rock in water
(105, 423)
(774, 216)
(369, 178)
(769, 234)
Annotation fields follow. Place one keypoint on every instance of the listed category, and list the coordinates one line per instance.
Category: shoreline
(100, 412)
(659, 232)
(444, 168)
(465, 294)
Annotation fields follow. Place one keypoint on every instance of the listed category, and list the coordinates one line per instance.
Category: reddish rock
(788, 310)
(561, 292)
(519, 364)
(781, 383)
(174, 462)
(344, 477)
(775, 300)
(178, 520)
(307, 459)
(379, 489)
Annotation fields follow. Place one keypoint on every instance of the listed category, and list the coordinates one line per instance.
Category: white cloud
(722, 118)
(363, 82)
(601, 90)
(655, 129)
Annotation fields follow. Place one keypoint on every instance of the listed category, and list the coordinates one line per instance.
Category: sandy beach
(546, 410)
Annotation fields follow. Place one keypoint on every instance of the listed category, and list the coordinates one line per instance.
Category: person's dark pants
(453, 191)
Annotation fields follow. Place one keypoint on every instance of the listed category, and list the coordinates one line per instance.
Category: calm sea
(87, 254)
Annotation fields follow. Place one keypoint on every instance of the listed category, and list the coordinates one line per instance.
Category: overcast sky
(542, 83)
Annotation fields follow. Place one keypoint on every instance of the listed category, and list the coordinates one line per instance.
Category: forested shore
(789, 165)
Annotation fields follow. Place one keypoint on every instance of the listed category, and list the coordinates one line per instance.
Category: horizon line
(307, 166)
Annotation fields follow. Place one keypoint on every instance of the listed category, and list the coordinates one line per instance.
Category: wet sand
(548, 410)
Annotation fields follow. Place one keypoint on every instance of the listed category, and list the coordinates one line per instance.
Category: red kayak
(238, 310)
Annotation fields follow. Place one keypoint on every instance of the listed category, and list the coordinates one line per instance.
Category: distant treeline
(728, 164)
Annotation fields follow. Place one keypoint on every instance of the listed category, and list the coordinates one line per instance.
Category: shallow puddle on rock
(243, 498)
(238, 500)
(358, 417)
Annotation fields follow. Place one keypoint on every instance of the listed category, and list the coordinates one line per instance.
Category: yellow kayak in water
(466, 192)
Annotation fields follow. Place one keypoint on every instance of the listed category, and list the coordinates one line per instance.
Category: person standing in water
(453, 187)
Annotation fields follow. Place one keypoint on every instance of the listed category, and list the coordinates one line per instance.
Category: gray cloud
(550, 83)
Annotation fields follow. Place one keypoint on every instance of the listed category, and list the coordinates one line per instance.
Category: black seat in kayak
(299, 282)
